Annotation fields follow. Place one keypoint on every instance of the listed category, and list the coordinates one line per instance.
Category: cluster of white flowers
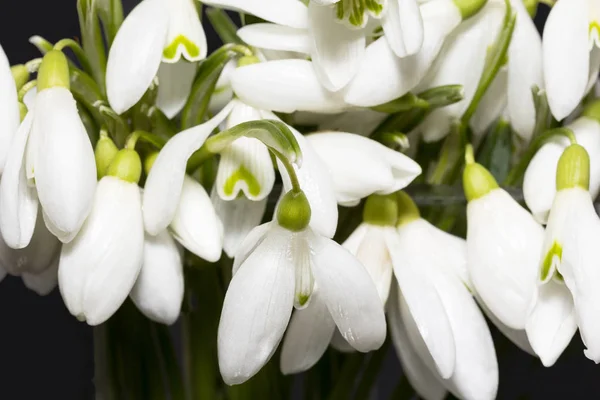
(110, 185)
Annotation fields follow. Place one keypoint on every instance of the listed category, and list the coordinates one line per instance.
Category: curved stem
(517, 172)
(26, 88)
(77, 49)
(33, 65)
(147, 137)
(290, 170)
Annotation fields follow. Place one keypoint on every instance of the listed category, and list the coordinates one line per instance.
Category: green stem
(33, 65)
(198, 158)
(144, 136)
(79, 53)
(187, 353)
(26, 88)
(517, 172)
(223, 25)
(166, 354)
(290, 170)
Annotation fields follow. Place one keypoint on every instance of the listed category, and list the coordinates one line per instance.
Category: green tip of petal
(20, 75)
(126, 165)
(244, 175)
(477, 181)
(592, 110)
(149, 161)
(247, 60)
(468, 8)
(105, 152)
(54, 71)
(549, 264)
(573, 168)
(192, 51)
(381, 210)
(293, 212)
(407, 209)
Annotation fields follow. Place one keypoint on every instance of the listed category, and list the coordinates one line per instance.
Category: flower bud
(126, 165)
(54, 71)
(407, 209)
(20, 75)
(381, 210)
(573, 168)
(293, 212)
(105, 153)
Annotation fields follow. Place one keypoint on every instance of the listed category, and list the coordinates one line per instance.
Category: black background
(46, 354)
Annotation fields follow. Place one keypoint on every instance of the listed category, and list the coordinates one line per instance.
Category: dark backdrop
(46, 354)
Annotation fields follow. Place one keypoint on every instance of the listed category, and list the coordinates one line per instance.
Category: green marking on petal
(242, 174)
(303, 299)
(191, 49)
(354, 10)
(553, 256)
(594, 26)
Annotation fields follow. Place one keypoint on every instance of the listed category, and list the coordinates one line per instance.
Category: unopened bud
(105, 152)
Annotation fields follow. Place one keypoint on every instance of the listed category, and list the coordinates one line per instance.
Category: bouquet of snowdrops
(275, 196)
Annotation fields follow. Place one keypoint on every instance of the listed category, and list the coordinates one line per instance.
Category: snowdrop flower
(360, 166)
(100, 266)
(503, 247)
(9, 108)
(470, 41)
(158, 290)
(176, 38)
(570, 249)
(571, 57)
(393, 76)
(337, 49)
(511, 89)
(285, 264)
(51, 159)
(539, 184)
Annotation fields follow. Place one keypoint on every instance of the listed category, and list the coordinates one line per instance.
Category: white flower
(336, 49)
(511, 89)
(100, 266)
(570, 53)
(470, 41)
(9, 108)
(539, 184)
(503, 247)
(51, 159)
(156, 30)
(360, 166)
(276, 269)
(158, 290)
(42, 283)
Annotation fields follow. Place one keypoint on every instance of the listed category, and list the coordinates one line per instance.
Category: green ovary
(170, 52)
(242, 174)
(555, 251)
(354, 10)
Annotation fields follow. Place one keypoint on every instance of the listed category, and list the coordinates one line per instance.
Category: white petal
(360, 166)
(65, 168)
(316, 184)
(552, 324)
(581, 274)
(492, 104)
(587, 133)
(29, 98)
(239, 217)
(36, 257)
(44, 282)
(18, 201)
(524, 71)
(518, 337)
(276, 37)
(175, 84)
(426, 383)
(383, 76)
(195, 224)
(250, 243)
(284, 86)
(9, 112)
(308, 335)
(356, 238)
(373, 253)
(285, 12)
(256, 309)
(403, 27)
(340, 344)
(422, 299)
(362, 122)
(165, 180)
(100, 266)
(185, 35)
(566, 56)
(158, 290)
(336, 51)
(135, 54)
(503, 249)
(351, 298)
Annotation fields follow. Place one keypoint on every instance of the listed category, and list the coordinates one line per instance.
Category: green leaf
(92, 41)
(223, 25)
(195, 110)
(111, 15)
(401, 104)
(496, 152)
(88, 121)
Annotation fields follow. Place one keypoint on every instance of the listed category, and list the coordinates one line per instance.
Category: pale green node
(126, 165)
(468, 8)
(407, 209)
(592, 110)
(104, 153)
(477, 181)
(53, 71)
(573, 168)
(293, 212)
(381, 210)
